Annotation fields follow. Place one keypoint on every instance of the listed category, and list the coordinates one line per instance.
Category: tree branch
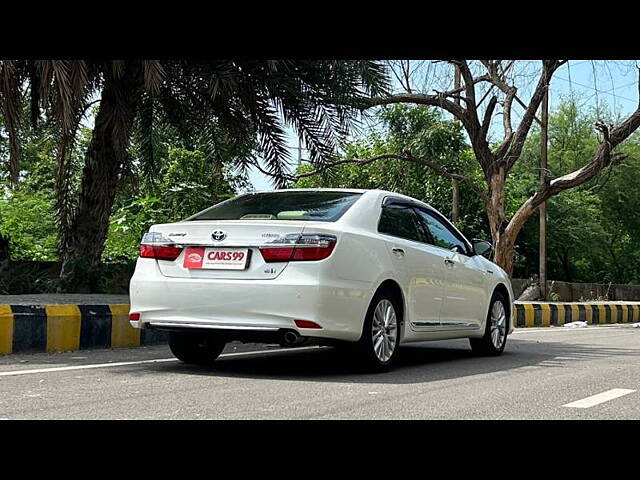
(603, 158)
(486, 121)
(482, 193)
(438, 100)
(517, 143)
(469, 81)
(406, 156)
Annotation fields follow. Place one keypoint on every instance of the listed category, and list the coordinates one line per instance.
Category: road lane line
(83, 367)
(139, 362)
(599, 398)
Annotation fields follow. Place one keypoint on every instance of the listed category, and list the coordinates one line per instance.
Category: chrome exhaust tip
(291, 337)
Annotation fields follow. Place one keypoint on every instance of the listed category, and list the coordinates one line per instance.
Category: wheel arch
(502, 288)
(393, 287)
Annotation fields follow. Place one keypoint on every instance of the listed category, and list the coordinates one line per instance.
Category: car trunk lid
(245, 236)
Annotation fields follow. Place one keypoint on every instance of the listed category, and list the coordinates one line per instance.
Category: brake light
(155, 245)
(134, 317)
(160, 252)
(306, 247)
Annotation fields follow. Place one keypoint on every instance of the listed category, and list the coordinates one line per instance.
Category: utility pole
(544, 128)
(455, 201)
(299, 148)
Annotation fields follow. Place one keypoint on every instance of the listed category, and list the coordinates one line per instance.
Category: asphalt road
(541, 372)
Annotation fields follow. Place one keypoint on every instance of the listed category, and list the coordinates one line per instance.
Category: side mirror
(482, 247)
(458, 249)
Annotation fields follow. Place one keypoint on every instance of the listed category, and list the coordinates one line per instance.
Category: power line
(608, 92)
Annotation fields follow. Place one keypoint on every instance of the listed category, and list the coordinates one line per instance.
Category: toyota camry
(367, 270)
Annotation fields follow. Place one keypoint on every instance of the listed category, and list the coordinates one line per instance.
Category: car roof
(349, 190)
(353, 190)
(383, 193)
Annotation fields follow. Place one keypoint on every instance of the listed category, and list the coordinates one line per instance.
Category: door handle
(399, 252)
(448, 261)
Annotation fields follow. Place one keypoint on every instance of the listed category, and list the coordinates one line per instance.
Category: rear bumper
(338, 306)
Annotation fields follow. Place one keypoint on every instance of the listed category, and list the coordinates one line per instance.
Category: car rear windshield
(310, 206)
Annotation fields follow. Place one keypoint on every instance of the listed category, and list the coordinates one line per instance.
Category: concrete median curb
(62, 328)
(545, 314)
(69, 327)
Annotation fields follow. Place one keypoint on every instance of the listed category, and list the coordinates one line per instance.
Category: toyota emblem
(218, 235)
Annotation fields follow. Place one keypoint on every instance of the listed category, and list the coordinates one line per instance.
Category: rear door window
(401, 221)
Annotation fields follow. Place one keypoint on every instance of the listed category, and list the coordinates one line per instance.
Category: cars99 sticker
(216, 258)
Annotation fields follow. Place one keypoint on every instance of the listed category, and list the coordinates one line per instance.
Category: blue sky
(599, 84)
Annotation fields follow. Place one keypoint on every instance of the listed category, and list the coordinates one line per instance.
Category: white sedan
(365, 269)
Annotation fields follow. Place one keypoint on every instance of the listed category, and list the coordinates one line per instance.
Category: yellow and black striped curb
(61, 328)
(545, 314)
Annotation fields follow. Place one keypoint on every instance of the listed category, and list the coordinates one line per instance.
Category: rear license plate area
(216, 258)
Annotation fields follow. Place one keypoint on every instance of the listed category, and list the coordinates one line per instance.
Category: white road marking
(83, 367)
(599, 398)
(139, 362)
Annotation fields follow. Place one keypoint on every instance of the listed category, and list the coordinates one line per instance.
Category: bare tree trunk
(507, 238)
(503, 255)
(83, 243)
(503, 238)
(496, 163)
(566, 264)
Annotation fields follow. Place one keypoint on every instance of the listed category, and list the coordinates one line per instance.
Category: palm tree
(247, 100)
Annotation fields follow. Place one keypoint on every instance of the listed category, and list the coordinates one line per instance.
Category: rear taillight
(295, 247)
(155, 245)
(160, 252)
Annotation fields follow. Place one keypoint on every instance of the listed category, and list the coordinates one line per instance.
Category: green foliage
(187, 184)
(551, 295)
(591, 230)
(427, 134)
(27, 218)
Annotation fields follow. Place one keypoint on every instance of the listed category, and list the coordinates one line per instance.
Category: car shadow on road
(417, 363)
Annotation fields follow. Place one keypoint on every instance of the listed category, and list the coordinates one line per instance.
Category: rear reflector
(299, 248)
(134, 317)
(306, 324)
(160, 252)
(312, 253)
(277, 254)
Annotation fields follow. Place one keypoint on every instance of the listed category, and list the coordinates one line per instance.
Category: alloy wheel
(498, 324)
(384, 330)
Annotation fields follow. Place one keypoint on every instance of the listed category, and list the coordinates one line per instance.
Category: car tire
(496, 330)
(196, 349)
(378, 346)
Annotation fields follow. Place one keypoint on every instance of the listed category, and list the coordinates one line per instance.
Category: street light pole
(544, 120)
(455, 201)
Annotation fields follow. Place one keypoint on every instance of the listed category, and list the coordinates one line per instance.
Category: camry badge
(218, 235)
